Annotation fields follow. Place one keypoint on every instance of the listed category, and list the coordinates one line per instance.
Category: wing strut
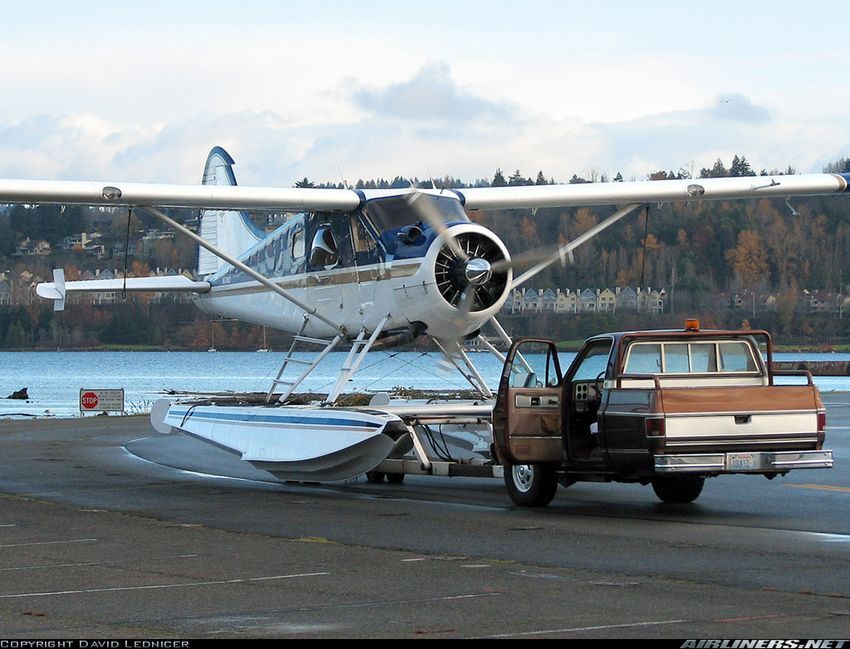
(453, 351)
(359, 348)
(310, 310)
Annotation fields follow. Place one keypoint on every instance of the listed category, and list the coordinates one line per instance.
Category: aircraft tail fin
(231, 231)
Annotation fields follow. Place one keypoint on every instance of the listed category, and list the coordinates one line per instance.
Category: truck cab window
(703, 358)
(644, 359)
(736, 357)
(594, 361)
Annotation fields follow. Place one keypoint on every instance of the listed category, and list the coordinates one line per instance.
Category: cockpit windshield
(396, 212)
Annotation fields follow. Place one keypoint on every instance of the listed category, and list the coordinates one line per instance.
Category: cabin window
(298, 248)
(396, 212)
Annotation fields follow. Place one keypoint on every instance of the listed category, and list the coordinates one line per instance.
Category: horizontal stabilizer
(58, 289)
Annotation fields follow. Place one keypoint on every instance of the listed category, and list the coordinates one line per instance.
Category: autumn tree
(748, 258)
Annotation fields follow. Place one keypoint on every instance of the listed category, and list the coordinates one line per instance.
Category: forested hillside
(705, 255)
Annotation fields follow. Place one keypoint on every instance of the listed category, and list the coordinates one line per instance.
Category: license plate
(742, 461)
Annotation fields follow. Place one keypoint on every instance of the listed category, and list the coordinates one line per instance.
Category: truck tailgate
(749, 416)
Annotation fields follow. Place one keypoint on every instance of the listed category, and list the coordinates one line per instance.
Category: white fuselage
(356, 298)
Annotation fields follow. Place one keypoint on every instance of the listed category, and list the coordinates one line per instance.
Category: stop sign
(89, 400)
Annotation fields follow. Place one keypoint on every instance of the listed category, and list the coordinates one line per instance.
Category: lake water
(54, 379)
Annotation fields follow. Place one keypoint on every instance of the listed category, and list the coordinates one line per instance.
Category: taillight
(822, 421)
(655, 427)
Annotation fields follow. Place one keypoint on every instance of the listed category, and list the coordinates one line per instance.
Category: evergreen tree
(740, 167)
(717, 171)
(516, 179)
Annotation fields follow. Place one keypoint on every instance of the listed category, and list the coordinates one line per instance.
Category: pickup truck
(664, 408)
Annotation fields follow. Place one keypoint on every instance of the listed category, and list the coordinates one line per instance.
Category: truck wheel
(531, 485)
(678, 489)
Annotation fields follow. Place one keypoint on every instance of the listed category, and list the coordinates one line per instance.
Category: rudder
(231, 231)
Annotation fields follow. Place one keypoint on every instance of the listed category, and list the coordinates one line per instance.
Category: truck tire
(531, 485)
(677, 490)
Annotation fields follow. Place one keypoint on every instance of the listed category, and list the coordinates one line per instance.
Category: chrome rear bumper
(751, 462)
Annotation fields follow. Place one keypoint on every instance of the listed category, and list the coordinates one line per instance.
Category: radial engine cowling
(467, 278)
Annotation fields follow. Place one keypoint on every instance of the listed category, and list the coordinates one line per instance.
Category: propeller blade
(431, 215)
(544, 260)
(532, 257)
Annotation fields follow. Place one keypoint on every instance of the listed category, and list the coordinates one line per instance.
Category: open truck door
(527, 421)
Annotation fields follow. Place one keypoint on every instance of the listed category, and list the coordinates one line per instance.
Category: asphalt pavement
(110, 530)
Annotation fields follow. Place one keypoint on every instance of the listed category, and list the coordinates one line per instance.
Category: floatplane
(360, 269)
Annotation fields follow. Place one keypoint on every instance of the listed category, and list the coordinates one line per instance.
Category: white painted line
(8, 525)
(829, 538)
(23, 545)
(416, 559)
(117, 589)
(585, 628)
(90, 563)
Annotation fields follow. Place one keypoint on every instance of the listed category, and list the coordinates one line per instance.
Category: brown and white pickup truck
(666, 408)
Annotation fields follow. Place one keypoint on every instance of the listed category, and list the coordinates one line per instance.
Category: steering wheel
(599, 383)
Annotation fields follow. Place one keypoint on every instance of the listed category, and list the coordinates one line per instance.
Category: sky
(336, 90)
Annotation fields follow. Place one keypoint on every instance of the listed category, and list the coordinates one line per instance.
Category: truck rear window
(732, 356)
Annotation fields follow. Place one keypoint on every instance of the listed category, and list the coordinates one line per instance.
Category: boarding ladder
(300, 340)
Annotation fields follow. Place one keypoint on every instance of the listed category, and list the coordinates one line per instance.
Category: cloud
(430, 94)
(407, 128)
(738, 108)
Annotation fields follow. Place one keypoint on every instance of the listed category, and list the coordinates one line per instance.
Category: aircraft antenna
(339, 171)
(430, 177)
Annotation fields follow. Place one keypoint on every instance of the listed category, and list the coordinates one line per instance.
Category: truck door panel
(625, 416)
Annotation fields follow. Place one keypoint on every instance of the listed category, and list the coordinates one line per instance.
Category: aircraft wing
(163, 195)
(347, 200)
(661, 191)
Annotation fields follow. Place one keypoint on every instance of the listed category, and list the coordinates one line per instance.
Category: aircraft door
(366, 261)
(527, 414)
